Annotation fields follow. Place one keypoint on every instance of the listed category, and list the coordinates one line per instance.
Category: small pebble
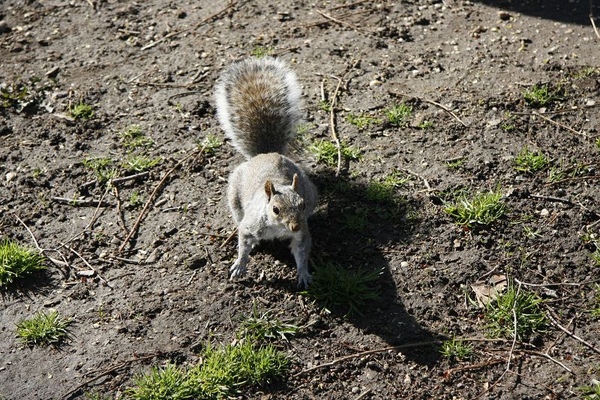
(10, 176)
(404, 264)
(544, 213)
(503, 15)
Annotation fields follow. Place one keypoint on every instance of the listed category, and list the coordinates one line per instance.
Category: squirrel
(270, 196)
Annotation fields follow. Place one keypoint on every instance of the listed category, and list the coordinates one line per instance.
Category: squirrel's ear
(269, 189)
(295, 182)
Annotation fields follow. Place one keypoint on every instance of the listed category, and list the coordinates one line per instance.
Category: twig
(332, 124)
(574, 178)
(363, 394)
(514, 342)
(349, 5)
(551, 198)
(512, 348)
(137, 222)
(337, 21)
(546, 355)
(111, 370)
(95, 215)
(420, 177)
(544, 285)
(334, 134)
(87, 264)
(559, 124)
(229, 238)
(364, 353)
(594, 25)
(119, 210)
(79, 202)
(574, 336)
(435, 103)
(451, 371)
(172, 34)
(129, 178)
(37, 245)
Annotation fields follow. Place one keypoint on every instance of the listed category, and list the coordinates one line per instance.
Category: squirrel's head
(285, 205)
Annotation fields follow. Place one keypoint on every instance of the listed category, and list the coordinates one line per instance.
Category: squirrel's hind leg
(301, 250)
(245, 244)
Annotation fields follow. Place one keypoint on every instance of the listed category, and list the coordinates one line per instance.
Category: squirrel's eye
(275, 210)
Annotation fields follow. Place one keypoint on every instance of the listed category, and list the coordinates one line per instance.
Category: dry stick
(334, 135)
(129, 178)
(332, 117)
(337, 21)
(551, 198)
(548, 356)
(37, 245)
(420, 177)
(76, 202)
(363, 394)
(172, 34)
(111, 370)
(350, 5)
(229, 238)
(594, 25)
(137, 222)
(435, 103)
(87, 264)
(575, 178)
(449, 372)
(119, 210)
(364, 353)
(574, 336)
(512, 348)
(559, 124)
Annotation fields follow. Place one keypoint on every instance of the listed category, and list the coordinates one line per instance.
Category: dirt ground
(462, 65)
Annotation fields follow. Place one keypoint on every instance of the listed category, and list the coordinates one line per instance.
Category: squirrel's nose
(294, 226)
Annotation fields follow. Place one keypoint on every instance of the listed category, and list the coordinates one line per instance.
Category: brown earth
(154, 63)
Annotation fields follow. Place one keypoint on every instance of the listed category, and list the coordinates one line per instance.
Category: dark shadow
(361, 244)
(569, 12)
(37, 282)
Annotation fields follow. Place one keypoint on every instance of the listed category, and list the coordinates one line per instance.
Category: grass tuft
(529, 317)
(260, 326)
(102, 168)
(168, 382)
(399, 115)
(362, 121)
(43, 329)
(138, 163)
(541, 95)
(210, 144)
(220, 374)
(327, 152)
(482, 208)
(17, 261)
(591, 392)
(530, 161)
(385, 189)
(338, 287)
(133, 137)
(81, 111)
(456, 350)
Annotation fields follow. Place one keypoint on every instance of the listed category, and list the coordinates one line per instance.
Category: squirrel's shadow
(358, 226)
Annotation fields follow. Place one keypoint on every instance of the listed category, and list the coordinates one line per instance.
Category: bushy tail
(258, 105)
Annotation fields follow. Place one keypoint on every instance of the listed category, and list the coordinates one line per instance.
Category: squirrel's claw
(304, 281)
(237, 271)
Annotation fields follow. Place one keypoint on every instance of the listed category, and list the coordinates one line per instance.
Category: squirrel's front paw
(237, 270)
(304, 280)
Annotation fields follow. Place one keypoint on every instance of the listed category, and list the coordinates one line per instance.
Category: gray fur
(258, 106)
